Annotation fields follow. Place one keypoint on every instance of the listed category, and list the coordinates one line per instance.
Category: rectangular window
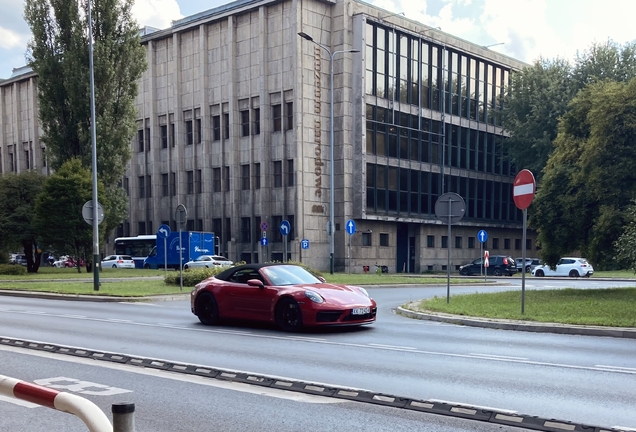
(126, 186)
(141, 228)
(142, 186)
(147, 137)
(245, 123)
(245, 177)
(495, 243)
(199, 226)
(226, 126)
(507, 244)
(384, 239)
(27, 159)
(198, 184)
(190, 182)
(277, 236)
(172, 139)
(245, 230)
(444, 242)
(227, 178)
(164, 136)
(290, 172)
(517, 244)
(165, 188)
(216, 179)
(458, 242)
(471, 242)
(256, 129)
(140, 140)
(216, 128)
(276, 117)
(430, 241)
(190, 225)
(173, 184)
(197, 131)
(189, 132)
(278, 174)
(366, 239)
(257, 176)
(289, 116)
(529, 244)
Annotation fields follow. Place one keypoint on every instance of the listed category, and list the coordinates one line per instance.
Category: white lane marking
(140, 303)
(19, 402)
(115, 320)
(228, 385)
(392, 347)
(308, 339)
(499, 410)
(74, 316)
(619, 368)
(498, 356)
(34, 313)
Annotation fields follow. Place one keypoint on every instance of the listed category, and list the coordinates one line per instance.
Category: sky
(522, 29)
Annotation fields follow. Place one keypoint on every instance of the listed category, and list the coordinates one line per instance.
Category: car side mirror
(322, 279)
(255, 283)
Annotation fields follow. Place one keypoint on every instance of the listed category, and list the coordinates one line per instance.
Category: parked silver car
(208, 261)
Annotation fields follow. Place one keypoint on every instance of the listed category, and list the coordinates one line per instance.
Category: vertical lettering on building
(319, 164)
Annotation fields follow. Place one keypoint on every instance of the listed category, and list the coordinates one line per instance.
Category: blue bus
(137, 247)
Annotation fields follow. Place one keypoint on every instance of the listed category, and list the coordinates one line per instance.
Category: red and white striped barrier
(93, 417)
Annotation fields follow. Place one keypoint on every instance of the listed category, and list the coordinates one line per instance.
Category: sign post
(181, 216)
(482, 236)
(285, 229)
(351, 229)
(449, 208)
(486, 264)
(164, 232)
(524, 188)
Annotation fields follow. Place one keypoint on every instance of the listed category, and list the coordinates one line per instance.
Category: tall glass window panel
(436, 187)
(392, 66)
(370, 129)
(404, 190)
(464, 87)
(369, 59)
(472, 149)
(380, 63)
(435, 77)
(381, 139)
(393, 141)
(425, 85)
(425, 193)
(414, 196)
(435, 143)
(371, 187)
(425, 137)
(489, 199)
(393, 188)
(414, 71)
(472, 107)
(381, 176)
(414, 145)
(455, 83)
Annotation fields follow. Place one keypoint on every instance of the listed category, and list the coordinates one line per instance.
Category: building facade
(234, 123)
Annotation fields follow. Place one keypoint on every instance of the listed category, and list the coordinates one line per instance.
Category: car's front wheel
(114, 265)
(207, 309)
(574, 273)
(463, 272)
(528, 269)
(539, 273)
(497, 272)
(288, 315)
(185, 267)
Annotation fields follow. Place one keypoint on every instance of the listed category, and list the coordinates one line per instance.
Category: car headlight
(314, 296)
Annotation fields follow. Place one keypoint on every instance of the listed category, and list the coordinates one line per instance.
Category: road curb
(617, 332)
(93, 298)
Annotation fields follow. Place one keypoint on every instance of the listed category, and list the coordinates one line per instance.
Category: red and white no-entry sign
(523, 189)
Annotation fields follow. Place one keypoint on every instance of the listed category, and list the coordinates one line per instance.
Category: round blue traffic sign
(482, 236)
(350, 226)
(163, 231)
(285, 228)
(304, 244)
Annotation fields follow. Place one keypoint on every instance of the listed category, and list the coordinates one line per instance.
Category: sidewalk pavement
(518, 325)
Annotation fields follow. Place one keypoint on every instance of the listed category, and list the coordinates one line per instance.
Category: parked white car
(569, 266)
(208, 261)
(118, 261)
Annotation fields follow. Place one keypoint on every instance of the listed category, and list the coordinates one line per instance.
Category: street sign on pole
(449, 208)
(163, 233)
(304, 244)
(264, 226)
(181, 215)
(482, 236)
(523, 190)
(285, 229)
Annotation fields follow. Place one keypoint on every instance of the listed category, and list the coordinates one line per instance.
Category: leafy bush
(191, 277)
(12, 269)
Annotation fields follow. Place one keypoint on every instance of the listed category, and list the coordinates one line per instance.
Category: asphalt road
(168, 402)
(590, 380)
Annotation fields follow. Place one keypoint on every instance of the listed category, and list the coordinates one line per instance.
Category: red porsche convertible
(284, 294)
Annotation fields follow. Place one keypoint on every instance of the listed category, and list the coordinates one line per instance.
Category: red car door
(251, 302)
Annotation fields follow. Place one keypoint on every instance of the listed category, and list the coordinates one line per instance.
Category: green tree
(590, 178)
(59, 54)
(626, 243)
(59, 211)
(18, 194)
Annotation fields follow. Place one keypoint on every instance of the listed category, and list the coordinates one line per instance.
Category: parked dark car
(18, 259)
(530, 264)
(498, 265)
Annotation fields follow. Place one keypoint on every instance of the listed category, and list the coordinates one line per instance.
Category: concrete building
(234, 123)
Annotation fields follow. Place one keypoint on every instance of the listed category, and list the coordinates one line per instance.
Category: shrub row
(191, 277)
(12, 269)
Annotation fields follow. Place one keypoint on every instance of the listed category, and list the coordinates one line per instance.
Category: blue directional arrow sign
(264, 241)
(285, 228)
(163, 231)
(351, 227)
(482, 236)
(304, 244)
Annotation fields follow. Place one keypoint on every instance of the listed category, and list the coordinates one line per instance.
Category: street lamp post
(331, 142)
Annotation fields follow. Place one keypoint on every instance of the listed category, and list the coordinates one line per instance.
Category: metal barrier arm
(92, 416)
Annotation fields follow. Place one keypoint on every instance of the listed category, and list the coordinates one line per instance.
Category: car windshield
(289, 275)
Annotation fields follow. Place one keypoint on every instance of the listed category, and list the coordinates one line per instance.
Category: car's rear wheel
(114, 265)
(207, 309)
(539, 273)
(528, 269)
(574, 273)
(288, 315)
(146, 266)
(496, 272)
(185, 267)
